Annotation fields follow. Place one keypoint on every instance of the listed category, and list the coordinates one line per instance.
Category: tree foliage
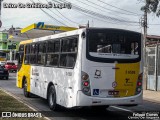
(152, 6)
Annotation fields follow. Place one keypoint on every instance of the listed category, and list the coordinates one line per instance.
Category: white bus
(86, 67)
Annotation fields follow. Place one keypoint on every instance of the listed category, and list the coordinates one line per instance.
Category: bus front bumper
(84, 100)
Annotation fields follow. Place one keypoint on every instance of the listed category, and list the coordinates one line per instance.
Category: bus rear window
(114, 45)
(103, 43)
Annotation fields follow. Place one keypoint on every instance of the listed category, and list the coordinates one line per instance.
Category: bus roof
(70, 33)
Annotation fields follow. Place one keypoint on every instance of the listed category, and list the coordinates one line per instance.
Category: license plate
(113, 92)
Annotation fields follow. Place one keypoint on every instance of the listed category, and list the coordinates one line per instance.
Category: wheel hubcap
(51, 98)
(25, 88)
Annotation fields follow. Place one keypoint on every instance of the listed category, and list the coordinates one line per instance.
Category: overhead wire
(92, 16)
(64, 16)
(50, 15)
(99, 8)
(56, 14)
(76, 7)
(103, 16)
(117, 12)
(154, 24)
(132, 13)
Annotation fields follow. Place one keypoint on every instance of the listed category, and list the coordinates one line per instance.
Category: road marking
(122, 109)
(12, 77)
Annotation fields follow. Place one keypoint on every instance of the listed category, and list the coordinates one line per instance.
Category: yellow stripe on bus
(126, 78)
(24, 71)
(26, 41)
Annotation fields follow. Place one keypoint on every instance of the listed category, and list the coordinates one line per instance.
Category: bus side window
(73, 45)
(21, 54)
(26, 61)
(20, 58)
(33, 53)
(70, 60)
(53, 52)
(67, 60)
(65, 46)
(63, 60)
(27, 51)
(68, 52)
(69, 45)
(52, 59)
(41, 53)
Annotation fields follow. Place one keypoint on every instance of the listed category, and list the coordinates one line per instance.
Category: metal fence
(153, 67)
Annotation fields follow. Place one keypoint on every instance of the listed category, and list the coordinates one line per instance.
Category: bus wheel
(25, 92)
(52, 98)
(7, 78)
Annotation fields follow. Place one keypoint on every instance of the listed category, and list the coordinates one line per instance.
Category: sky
(123, 14)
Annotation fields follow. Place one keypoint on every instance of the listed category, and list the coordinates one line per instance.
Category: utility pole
(0, 6)
(88, 24)
(144, 48)
(11, 32)
(0, 12)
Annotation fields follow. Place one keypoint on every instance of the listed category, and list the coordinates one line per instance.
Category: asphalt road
(111, 113)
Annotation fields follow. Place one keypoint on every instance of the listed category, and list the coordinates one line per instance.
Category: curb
(20, 100)
(151, 100)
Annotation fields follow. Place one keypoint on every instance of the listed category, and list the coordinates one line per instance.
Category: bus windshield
(2, 56)
(114, 45)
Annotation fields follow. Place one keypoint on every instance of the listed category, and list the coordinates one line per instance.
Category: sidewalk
(11, 107)
(153, 96)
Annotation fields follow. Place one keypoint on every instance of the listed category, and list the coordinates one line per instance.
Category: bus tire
(25, 92)
(7, 78)
(52, 98)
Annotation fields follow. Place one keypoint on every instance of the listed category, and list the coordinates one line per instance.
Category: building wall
(153, 67)
(3, 41)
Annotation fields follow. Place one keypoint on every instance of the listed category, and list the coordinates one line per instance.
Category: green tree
(152, 6)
